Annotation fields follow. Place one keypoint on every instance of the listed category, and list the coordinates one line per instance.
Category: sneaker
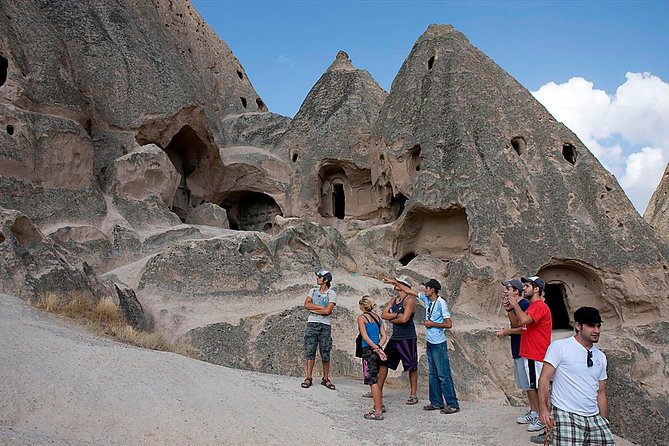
(535, 426)
(538, 439)
(527, 418)
(449, 410)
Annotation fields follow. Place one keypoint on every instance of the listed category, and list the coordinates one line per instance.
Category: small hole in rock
(243, 101)
(569, 153)
(519, 144)
(430, 63)
(239, 73)
(295, 157)
(10, 129)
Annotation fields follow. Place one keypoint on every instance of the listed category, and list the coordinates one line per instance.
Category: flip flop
(327, 383)
(307, 383)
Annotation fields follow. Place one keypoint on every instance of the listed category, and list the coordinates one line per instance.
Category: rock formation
(132, 145)
(657, 212)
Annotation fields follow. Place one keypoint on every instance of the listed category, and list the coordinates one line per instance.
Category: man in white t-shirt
(578, 370)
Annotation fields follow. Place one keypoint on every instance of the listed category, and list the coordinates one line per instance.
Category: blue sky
(285, 46)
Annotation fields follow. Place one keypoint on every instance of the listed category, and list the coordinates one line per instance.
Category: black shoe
(538, 439)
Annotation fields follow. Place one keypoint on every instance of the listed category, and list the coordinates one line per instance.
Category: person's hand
(382, 355)
(500, 333)
(429, 323)
(388, 280)
(545, 417)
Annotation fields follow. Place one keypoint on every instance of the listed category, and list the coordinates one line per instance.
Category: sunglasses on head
(589, 358)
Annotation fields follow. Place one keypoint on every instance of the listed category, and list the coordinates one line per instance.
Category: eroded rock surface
(657, 212)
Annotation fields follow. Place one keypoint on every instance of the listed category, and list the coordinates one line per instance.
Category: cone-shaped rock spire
(472, 148)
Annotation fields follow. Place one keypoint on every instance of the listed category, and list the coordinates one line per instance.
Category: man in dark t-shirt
(513, 289)
(402, 345)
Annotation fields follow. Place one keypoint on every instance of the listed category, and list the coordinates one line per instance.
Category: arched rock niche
(250, 211)
(345, 191)
(443, 234)
(185, 150)
(570, 285)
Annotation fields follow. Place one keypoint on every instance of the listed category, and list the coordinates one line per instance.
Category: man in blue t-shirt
(513, 289)
(437, 319)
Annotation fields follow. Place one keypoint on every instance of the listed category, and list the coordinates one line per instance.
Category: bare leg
(383, 374)
(310, 367)
(326, 370)
(533, 396)
(413, 381)
(378, 400)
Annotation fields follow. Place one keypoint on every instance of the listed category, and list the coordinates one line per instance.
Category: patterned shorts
(370, 366)
(405, 350)
(570, 429)
(319, 336)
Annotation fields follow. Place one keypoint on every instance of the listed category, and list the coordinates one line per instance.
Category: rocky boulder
(208, 214)
(657, 212)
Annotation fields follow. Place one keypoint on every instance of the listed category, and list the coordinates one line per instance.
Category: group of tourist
(565, 380)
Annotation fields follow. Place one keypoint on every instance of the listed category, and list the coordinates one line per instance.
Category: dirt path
(61, 385)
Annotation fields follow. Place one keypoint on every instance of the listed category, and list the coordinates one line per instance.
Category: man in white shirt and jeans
(578, 370)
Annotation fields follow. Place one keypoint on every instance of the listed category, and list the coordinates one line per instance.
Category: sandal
(413, 399)
(373, 416)
(327, 383)
(432, 407)
(307, 383)
(367, 395)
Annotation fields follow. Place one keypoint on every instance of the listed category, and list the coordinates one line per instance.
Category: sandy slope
(63, 386)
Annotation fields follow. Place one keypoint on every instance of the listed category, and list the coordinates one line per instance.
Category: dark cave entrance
(555, 295)
(338, 201)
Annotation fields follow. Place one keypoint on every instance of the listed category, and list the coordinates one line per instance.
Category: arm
(547, 372)
(409, 309)
(386, 314)
(518, 317)
(324, 311)
(448, 323)
(602, 401)
(404, 288)
(508, 332)
(363, 332)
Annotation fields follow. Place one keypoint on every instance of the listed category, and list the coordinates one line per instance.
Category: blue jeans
(441, 381)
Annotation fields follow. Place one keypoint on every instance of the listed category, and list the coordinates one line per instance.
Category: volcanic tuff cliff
(125, 126)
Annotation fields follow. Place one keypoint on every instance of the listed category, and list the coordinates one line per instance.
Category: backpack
(358, 340)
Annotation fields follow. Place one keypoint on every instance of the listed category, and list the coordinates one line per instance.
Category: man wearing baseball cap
(513, 290)
(320, 302)
(534, 341)
(403, 345)
(437, 320)
(578, 370)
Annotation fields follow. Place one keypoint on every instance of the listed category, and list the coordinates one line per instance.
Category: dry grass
(105, 317)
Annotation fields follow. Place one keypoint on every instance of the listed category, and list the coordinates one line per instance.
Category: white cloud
(636, 116)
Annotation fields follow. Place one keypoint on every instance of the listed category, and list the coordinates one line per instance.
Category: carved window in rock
(414, 159)
(519, 145)
(4, 65)
(569, 153)
(333, 189)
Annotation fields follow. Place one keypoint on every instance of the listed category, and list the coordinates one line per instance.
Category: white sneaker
(535, 425)
(527, 418)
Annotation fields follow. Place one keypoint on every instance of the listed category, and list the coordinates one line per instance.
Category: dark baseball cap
(536, 280)
(587, 315)
(433, 283)
(327, 275)
(513, 283)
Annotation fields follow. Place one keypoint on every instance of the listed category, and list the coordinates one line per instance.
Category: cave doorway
(185, 151)
(338, 201)
(555, 296)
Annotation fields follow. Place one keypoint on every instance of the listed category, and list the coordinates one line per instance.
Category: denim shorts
(319, 336)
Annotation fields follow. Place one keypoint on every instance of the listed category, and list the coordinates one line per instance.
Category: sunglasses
(589, 358)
